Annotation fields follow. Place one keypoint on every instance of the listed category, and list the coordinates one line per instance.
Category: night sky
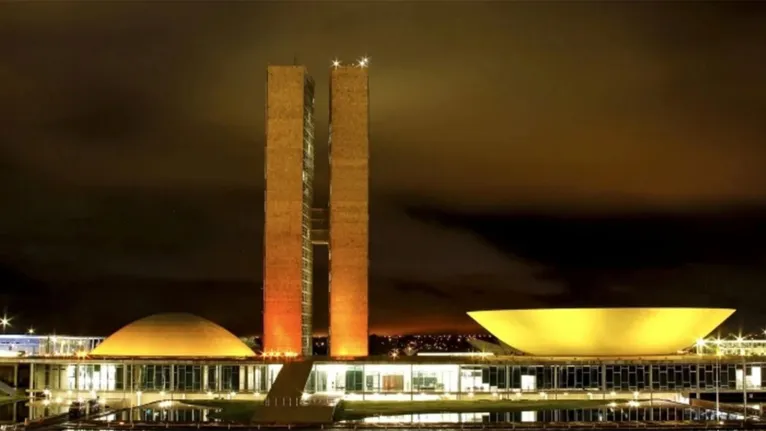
(522, 155)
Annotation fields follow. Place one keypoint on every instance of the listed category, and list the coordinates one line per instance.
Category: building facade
(289, 171)
(288, 248)
(349, 211)
(179, 356)
(42, 345)
(387, 379)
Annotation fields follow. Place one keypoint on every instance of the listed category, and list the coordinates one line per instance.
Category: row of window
(177, 378)
(454, 378)
(629, 377)
(399, 378)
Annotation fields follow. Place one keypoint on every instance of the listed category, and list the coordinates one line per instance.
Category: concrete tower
(349, 214)
(288, 253)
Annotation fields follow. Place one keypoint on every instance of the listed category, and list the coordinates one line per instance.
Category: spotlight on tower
(336, 63)
(364, 62)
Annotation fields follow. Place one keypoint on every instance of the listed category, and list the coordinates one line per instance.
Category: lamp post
(5, 322)
(717, 384)
(741, 349)
(744, 389)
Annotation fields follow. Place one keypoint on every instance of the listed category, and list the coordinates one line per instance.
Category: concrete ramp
(7, 389)
(284, 402)
(290, 383)
(725, 407)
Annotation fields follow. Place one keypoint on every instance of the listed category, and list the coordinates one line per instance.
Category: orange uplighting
(284, 316)
(349, 335)
(349, 211)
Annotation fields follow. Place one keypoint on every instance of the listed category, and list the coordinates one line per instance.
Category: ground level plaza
(406, 378)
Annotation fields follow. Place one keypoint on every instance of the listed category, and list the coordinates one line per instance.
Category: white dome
(173, 335)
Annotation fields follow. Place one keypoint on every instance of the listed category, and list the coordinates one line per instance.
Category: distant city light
(31, 331)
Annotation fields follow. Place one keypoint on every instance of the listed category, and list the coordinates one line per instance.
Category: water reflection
(13, 412)
(155, 413)
(655, 414)
(37, 410)
(150, 413)
(180, 413)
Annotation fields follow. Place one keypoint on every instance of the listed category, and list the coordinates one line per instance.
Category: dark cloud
(15, 283)
(105, 116)
(648, 240)
(131, 153)
(409, 287)
(706, 258)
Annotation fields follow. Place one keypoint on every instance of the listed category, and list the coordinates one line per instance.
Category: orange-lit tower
(288, 253)
(349, 215)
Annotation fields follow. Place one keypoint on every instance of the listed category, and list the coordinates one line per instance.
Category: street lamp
(5, 322)
(718, 355)
(700, 344)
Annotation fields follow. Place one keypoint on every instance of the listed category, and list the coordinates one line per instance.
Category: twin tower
(292, 225)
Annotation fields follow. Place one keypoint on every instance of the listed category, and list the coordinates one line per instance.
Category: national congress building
(289, 234)
(610, 354)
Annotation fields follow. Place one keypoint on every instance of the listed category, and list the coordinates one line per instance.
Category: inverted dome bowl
(601, 331)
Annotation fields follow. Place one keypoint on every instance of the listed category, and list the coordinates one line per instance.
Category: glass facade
(45, 345)
(442, 379)
(155, 377)
(187, 378)
(408, 380)
(307, 277)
